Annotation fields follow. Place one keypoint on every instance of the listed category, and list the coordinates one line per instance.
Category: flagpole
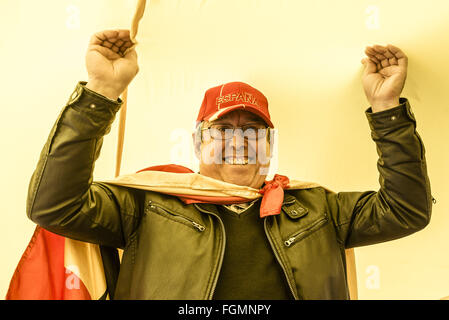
(351, 274)
(121, 133)
(138, 14)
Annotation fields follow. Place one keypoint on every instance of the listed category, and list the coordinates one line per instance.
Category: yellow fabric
(140, 9)
(193, 184)
(84, 260)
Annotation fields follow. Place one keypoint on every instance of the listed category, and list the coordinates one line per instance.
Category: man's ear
(196, 144)
(270, 143)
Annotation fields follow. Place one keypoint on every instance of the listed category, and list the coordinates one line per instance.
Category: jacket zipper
(299, 235)
(278, 258)
(220, 261)
(194, 224)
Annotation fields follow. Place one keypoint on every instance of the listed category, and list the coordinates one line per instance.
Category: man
(174, 250)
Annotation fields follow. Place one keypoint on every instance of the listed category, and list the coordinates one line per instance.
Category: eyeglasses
(223, 132)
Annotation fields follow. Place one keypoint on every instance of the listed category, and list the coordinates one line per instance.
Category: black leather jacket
(166, 254)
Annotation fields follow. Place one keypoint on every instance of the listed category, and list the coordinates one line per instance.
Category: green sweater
(250, 270)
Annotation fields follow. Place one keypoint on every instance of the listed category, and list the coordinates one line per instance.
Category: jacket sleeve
(62, 197)
(403, 203)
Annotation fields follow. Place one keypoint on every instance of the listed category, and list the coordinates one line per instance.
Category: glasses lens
(250, 132)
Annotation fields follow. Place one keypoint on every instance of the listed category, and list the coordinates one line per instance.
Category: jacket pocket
(152, 207)
(301, 234)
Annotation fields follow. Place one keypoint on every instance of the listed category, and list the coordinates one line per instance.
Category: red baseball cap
(227, 97)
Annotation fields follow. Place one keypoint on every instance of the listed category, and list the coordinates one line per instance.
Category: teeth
(240, 161)
(236, 161)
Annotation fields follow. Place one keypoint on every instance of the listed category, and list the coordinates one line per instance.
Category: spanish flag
(57, 268)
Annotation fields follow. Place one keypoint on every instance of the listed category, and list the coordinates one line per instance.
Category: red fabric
(273, 195)
(168, 168)
(41, 273)
(209, 199)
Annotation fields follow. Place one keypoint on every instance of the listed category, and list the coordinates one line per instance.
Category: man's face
(238, 157)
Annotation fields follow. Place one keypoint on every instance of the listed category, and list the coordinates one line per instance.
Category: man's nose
(237, 143)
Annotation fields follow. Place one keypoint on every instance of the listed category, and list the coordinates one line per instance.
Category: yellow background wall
(304, 55)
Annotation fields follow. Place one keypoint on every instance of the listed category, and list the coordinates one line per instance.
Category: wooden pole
(351, 274)
(121, 133)
(122, 117)
(138, 14)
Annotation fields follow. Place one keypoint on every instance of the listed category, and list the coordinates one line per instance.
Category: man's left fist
(384, 76)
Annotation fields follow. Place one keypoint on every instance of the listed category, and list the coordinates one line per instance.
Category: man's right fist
(109, 69)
